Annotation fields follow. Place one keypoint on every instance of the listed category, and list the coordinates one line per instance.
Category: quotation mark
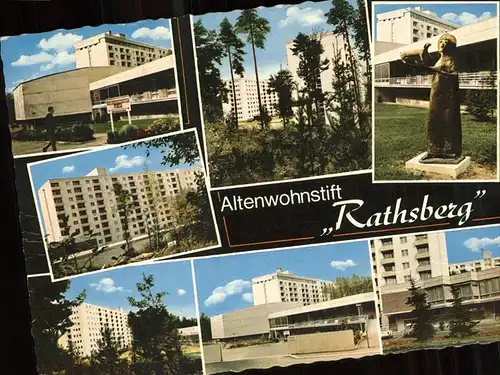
(327, 231)
(480, 194)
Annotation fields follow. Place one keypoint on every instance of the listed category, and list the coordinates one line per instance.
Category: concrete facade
(284, 286)
(247, 99)
(410, 25)
(190, 335)
(67, 92)
(487, 262)
(248, 322)
(90, 202)
(109, 49)
(88, 323)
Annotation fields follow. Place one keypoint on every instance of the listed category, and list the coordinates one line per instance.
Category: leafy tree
(50, 314)
(348, 286)
(205, 327)
(257, 28)
(481, 103)
(234, 52)
(9, 97)
(283, 84)
(461, 324)
(210, 51)
(155, 338)
(106, 359)
(421, 328)
(124, 206)
(154, 200)
(185, 322)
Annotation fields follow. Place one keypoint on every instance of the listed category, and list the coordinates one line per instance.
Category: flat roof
(156, 66)
(466, 35)
(334, 303)
(422, 13)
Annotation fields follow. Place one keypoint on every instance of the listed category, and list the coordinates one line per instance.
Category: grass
(401, 134)
(105, 127)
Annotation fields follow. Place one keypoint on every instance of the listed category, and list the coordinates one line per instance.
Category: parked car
(386, 334)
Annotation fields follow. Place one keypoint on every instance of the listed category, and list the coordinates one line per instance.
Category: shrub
(126, 133)
(81, 132)
(162, 125)
(487, 154)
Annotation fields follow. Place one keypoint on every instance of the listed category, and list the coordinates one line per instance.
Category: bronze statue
(444, 131)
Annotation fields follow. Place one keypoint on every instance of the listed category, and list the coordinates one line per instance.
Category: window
(406, 265)
(407, 278)
(403, 239)
(404, 252)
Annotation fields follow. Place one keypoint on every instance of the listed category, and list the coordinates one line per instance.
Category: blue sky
(459, 14)
(111, 289)
(224, 283)
(466, 245)
(286, 22)
(116, 160)
(30, 56)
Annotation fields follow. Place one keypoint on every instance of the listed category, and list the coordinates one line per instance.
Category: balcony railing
(356, 319)
(146, 96)
(466, 80)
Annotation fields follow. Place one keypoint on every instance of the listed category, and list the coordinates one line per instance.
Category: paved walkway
(35, 147)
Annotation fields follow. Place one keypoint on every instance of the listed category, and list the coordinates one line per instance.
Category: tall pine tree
(461, 324)
(421, 328)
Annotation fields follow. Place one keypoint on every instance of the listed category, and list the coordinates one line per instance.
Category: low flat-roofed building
(477, 46)
(249, 322)
(67, 92)
(151, 88)
(351, 312)
(190, 335)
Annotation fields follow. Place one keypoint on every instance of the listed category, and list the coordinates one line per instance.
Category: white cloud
(466, 18)
(59, 42)
(181, 292)
(247, 297)
(49, 60)
(124, 162)
(303, 17)
(68, 169)
(107, 285)
(158, 33)
(478, 244)
(220, 293)
(279, 6)
(342, 265)
(4, 38)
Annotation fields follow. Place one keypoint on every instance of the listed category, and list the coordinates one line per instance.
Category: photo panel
(439, 289)
(284, 307)
(90, 87)
(120, 205)
(435, 91)
(284, 91)
(106, 323)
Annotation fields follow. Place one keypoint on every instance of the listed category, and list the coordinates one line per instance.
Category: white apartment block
(247, 100)
(486, 263)
(398, 259)
(115, 49)
(284, 286)
(410, 25)
(88, 323)
(91, 205)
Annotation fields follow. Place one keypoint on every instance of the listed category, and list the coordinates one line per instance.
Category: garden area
(401, 134)
(26, 140)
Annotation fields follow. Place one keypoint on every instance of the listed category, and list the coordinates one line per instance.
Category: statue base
(444, 166)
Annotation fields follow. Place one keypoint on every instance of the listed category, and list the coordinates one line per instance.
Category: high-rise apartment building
(90, 203)
(247, 100)
(486, 263)
(410, 25)
(284, 286)
(115, 49)
(398, 259)
(88, 323)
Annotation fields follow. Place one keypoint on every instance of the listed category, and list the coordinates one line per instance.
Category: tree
(421, 328)
(9, 97)
(283, 84)
(249, 22)
(361, 37)
(234, 52)
(154, 201)
(206, 328)
(106, 358)
(50, 319)
(124, 206)
(155, 338)
(482, 102)
(461, 324)
(348, 286)
(210, 51)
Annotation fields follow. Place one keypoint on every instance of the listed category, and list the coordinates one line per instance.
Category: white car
(386, 334)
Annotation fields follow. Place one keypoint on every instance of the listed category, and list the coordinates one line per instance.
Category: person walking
(50, 126)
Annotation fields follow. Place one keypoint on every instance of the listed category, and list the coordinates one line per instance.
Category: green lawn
(105, 127)
(401, 132)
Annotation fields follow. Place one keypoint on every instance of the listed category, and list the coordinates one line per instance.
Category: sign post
(118, 105)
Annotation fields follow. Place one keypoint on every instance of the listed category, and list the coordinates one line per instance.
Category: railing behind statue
(477, 80)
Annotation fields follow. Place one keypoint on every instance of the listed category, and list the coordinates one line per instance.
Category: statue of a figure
(444, 131)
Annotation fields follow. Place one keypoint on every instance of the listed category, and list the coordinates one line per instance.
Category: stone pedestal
(451, 170)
